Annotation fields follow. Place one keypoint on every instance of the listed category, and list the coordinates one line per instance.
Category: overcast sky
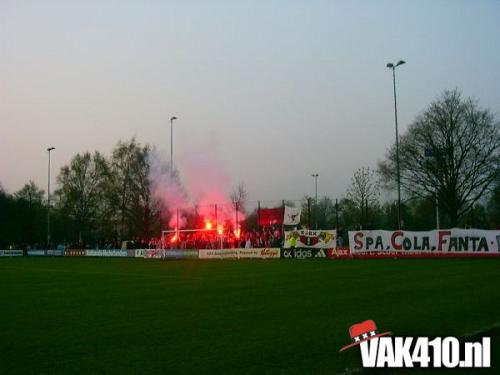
(271, 91)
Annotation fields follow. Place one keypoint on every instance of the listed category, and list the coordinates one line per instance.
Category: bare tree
(239, 197)
(363, 192)
(451, 151)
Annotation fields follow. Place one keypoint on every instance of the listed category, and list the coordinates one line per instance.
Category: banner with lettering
(440, 241)
(253, 253)
(312, 239)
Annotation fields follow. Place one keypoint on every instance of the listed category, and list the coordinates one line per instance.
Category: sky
(269, 91)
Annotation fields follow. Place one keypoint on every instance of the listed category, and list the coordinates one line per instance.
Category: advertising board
(11, 253)
(303, 253)
(259, 253)
(106, 253)
(36, 253)
(139, 253)
(209, 254)
(74, 253)
(54, 253)
(180, 254)
(252, 253)
(454, 240)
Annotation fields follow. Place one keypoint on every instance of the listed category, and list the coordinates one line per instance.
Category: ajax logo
(380, 351)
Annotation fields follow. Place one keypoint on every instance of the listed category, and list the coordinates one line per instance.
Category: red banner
(270, 216)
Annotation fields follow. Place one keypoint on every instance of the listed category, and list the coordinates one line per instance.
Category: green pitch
(135, 316)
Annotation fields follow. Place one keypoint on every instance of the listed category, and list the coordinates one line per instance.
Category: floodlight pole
(48, 199)
(315, 176)
(172, 143)
(398, 171)
(337, 215)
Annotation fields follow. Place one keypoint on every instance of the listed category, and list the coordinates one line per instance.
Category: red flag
(270, 216)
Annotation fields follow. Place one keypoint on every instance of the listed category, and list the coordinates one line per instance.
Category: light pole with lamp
(172, 143)
(398, 171)
(48, 199)
(315, 176)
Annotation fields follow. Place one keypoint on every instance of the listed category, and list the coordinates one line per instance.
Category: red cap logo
(364, 331)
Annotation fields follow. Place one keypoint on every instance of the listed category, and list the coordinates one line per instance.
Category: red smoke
(201, 187)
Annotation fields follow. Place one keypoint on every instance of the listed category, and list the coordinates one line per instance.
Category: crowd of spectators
(257, 238)
(204, 239)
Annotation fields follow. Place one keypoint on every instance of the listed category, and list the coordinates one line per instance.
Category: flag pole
(258, 215)
(283, 220)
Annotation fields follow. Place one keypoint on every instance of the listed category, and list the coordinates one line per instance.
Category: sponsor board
(139, 253)
(259, 253)
(180, 254)
(252, 253)
(11, 253)
(170, 253)
(106, 253)
(303, 253)
(229, 253)
(209, 254)
(37, 253)
(152, 253)
(311, 239)
(454, 240)
(337, 253)
(218, 254)
(74, 253)
(55, 253)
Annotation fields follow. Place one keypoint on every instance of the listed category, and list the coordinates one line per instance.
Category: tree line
(449, 171)
(449, 164)
(98, 199)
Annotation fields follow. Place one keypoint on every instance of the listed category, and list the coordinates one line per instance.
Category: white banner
(209, 254)
(36, 253)
(218, 254)
(266, 253)
(313, 239)
(440, 241)
(257, 253)
(11, 253)
(151, 253)
(106, 253)
(292, 215)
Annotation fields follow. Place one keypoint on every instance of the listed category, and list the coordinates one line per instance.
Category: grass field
(135, 316)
